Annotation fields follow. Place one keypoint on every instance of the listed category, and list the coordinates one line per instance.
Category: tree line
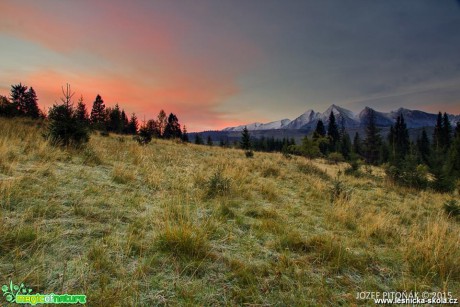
(405, 162)
(69, 124)
(419, 164)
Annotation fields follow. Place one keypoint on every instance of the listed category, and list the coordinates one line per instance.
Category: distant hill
(307, 120)
(305, 123)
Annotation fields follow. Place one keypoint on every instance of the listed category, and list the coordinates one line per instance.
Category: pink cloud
(149, 65)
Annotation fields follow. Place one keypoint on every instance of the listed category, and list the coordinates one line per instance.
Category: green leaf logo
(10, 292)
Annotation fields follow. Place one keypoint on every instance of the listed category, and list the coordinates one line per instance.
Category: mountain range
(350, 120)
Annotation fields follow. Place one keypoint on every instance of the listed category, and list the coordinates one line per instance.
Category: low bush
(64, 128)
(452, 208)
(249, 153)
(218, 184)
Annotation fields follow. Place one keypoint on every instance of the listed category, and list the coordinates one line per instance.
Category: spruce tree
(399, 140)
(357, 145)
(114, 120)
(424, 149)
(209, 141)
(64, 126)
(446, 132)
(185, 134)
(373, 141)
(98, 115)
(133, 124)
(320, 130)
(18, 99)
(172, 128)
(453, 159)
(438, 133)
(81, 113)
(333, 133)
(345, 145)
(384, 152)
(443, 181)
(152, 128)
(199, 139)
(124, 121)
(31, 105)
(144, 136)
(245, 142)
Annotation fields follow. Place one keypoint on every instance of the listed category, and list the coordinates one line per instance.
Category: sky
(223, 63)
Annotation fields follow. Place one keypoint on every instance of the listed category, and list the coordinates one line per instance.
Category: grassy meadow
(181, 224)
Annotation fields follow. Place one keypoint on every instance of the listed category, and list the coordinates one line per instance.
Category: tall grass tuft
(433, 250)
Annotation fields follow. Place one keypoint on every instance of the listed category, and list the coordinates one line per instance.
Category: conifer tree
(65, 128)
(209, 141)
(245, 142)
(438, 133)
(333, 133)
(152, 127)
(384, 152)
(18, 99)
(185, 134)
(399, 140)
(320, 130)
(446, 132)
(124, 121)
(373, 141)
(199, 139)
(31, 105)
(114, 120)
(81, 113)
(144, 136)
(345, 145)
(98, 115)
(133, 124)
(172, 128)
(424, 149)
(453, 159)
(357, 145)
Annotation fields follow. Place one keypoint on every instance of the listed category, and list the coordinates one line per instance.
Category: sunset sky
(223, 63)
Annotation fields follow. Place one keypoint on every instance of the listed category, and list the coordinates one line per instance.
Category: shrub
(452, 208)
(353, 169)
(408, 174)
(287, 155)
(249, 153)
(339, 191)
(144, 137)
(218, 184)
(64, 128)
(336, 157)
(442, 182)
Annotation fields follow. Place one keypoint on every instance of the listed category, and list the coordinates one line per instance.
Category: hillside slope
(176, 224)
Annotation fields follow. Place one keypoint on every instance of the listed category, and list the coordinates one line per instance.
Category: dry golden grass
(180, 224)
